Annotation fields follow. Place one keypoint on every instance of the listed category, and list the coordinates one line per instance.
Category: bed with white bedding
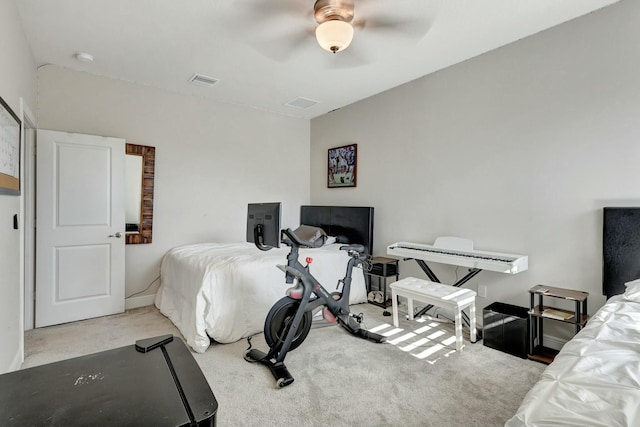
(595, 379)
(223, 291)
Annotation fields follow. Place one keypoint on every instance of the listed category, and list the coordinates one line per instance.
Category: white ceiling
(264, 52)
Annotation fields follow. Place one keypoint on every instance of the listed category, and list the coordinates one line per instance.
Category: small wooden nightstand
(538, 313)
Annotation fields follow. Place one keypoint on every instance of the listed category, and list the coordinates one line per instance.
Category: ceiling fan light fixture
(334, 35)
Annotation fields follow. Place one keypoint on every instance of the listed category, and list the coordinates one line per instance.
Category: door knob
(118, 235)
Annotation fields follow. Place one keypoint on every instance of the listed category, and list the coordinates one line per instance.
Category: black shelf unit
(578, 317)
(381, 269)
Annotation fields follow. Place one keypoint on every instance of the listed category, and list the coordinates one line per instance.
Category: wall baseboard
(553, 342)
(140, 301)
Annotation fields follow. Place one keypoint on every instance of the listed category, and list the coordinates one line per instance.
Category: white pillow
(330, 240)
(633, 290)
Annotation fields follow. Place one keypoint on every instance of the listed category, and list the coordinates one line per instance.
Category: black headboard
(620, 249)
(354, 222)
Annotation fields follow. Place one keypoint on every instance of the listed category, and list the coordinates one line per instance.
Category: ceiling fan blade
(275, 29)
(284, 46)
(410, 27)
(268, 9)
(392, 17)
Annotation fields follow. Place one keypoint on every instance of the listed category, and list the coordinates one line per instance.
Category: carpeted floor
(416, 379)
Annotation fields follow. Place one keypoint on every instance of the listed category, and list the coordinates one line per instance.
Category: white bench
(439, 295)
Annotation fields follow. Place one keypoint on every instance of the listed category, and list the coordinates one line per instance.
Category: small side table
(381, 269)
(538, 313)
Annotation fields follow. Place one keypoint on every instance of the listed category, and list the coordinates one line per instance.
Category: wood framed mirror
(139, 175)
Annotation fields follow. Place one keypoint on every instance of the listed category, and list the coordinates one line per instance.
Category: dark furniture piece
(505, 327)
(578, 317)
(355, 223)
(381, 269)
(620, 248)
(154, 383)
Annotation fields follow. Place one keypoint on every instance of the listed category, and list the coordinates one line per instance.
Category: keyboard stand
(432, 276)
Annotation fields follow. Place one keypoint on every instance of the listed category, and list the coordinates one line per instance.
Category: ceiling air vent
(300, 102)
(200, 80)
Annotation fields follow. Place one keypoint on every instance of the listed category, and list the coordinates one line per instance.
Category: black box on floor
(157, 382)
(505, 327)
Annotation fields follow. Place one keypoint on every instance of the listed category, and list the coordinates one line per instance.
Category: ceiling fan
(336, 23)
(286, 25)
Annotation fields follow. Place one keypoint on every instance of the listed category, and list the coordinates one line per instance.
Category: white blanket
(595, 379)
(225, 290)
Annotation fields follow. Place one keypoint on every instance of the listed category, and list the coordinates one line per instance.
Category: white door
(79, 227)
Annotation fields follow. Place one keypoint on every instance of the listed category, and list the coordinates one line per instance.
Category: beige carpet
(415, 380)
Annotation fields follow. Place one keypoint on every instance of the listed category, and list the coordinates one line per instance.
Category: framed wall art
(9, 150)
(342, 166)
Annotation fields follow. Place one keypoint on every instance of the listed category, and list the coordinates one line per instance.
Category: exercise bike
(289, 320)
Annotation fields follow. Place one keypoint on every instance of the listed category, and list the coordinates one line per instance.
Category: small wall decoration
(342, 164)
(9, 150)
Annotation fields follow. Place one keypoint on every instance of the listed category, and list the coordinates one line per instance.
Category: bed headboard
(354, 222)
(620, 249)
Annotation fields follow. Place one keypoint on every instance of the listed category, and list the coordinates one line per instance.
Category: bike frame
(338, 307)
(306, 285)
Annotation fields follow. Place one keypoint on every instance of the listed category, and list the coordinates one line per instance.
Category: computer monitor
(263, 225)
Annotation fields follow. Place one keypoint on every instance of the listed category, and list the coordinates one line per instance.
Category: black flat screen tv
(263, 225)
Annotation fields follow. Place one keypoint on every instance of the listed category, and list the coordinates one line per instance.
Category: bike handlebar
(356, 248)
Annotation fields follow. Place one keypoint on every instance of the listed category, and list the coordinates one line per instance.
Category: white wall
(518, 149)
(17, 80)
(212, 159)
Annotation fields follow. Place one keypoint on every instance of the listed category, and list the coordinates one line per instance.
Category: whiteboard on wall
(9, 150)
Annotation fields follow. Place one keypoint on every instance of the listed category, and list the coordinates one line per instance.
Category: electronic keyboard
(467, 257)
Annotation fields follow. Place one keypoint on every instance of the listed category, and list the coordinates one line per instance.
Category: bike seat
(357, 248)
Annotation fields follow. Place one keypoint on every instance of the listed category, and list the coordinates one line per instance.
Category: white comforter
(595, 379)
(225, 290)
